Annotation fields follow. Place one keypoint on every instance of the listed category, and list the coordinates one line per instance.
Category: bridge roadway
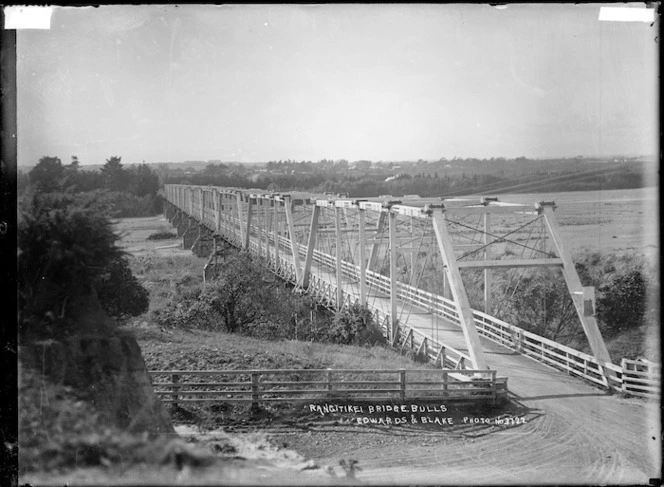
(578, 433)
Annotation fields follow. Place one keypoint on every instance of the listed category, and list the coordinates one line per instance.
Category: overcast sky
(378, 82)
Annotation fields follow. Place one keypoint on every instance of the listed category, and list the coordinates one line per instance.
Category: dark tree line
(127, 191)
(51, 175)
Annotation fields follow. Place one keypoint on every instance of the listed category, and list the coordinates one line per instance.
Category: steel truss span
(415, 262)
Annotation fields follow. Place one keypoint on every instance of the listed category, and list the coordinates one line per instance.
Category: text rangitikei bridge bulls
(404, 259)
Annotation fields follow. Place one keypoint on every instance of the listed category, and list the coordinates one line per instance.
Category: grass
(197, 349)
(167, 277)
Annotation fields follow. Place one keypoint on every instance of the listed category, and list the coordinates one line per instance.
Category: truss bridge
(435, 272)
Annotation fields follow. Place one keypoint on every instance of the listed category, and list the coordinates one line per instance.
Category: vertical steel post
(337, 226)
(458, 290)
(393, 273)
(241, 231)
(311, 244)
(576, 290)
(201, 200)
(295, 248)
(363, 258)
(487, 271)
(217, 210)
(276, 230)
(373, 253)
(247, 226)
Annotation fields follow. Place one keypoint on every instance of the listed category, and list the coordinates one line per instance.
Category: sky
(379, 82)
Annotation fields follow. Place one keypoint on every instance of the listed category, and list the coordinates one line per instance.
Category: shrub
(119, 291)
(355, 326)
(622, 305)
(63, 248)
(162, 236)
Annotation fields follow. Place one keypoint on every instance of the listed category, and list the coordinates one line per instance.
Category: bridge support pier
(203, 246)
(175, 218)
(182, 225)
(188, 230)
(169, 209)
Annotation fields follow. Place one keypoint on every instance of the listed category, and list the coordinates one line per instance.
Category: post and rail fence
(315, 385)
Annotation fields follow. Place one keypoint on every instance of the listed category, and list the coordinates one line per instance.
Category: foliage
(47, 174)
(542, 305)
(246, 298)
(113, 174)
(162, 236)
(63, 247)
(622, 304)
(119, 291)
(355, 326)
(120, 204)
(127, 192)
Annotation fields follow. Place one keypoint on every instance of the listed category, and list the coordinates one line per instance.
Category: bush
(622, 305)
(63, 248)
(355, 326)
(162, 236)
(119, 291)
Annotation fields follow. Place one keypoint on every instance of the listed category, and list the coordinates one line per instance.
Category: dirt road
(575, 433)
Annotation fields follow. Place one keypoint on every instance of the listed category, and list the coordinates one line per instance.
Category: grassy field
(604, 221)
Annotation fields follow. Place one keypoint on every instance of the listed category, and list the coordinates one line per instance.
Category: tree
(71, 174)
(144, 181)
(114, 175)
(233, 299)
(47, 174)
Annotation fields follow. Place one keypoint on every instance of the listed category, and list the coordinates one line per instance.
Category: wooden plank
(509, 263)
(201, 384)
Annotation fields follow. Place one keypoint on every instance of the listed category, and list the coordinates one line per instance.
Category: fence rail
(633, 377)
(311, 385)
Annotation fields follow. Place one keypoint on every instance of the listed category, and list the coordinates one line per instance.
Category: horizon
(642, 157)
(250, 84)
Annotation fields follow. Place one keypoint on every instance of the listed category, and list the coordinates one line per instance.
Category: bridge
(422, 265)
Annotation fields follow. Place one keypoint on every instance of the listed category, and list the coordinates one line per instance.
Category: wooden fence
(312, 385)
(641, 377)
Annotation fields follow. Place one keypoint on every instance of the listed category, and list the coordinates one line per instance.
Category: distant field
(604, 221)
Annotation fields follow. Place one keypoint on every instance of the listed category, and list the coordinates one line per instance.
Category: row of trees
(127, 191)
(51, 175)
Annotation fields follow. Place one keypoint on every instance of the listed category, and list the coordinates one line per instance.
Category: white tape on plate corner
(26, 17)
(627, 14)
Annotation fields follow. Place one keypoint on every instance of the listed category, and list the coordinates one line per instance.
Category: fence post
(494, 386)
(402, 377)
(445, 381)
(623, 376)
(254, 390)
(175, 378)
(329, 381)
